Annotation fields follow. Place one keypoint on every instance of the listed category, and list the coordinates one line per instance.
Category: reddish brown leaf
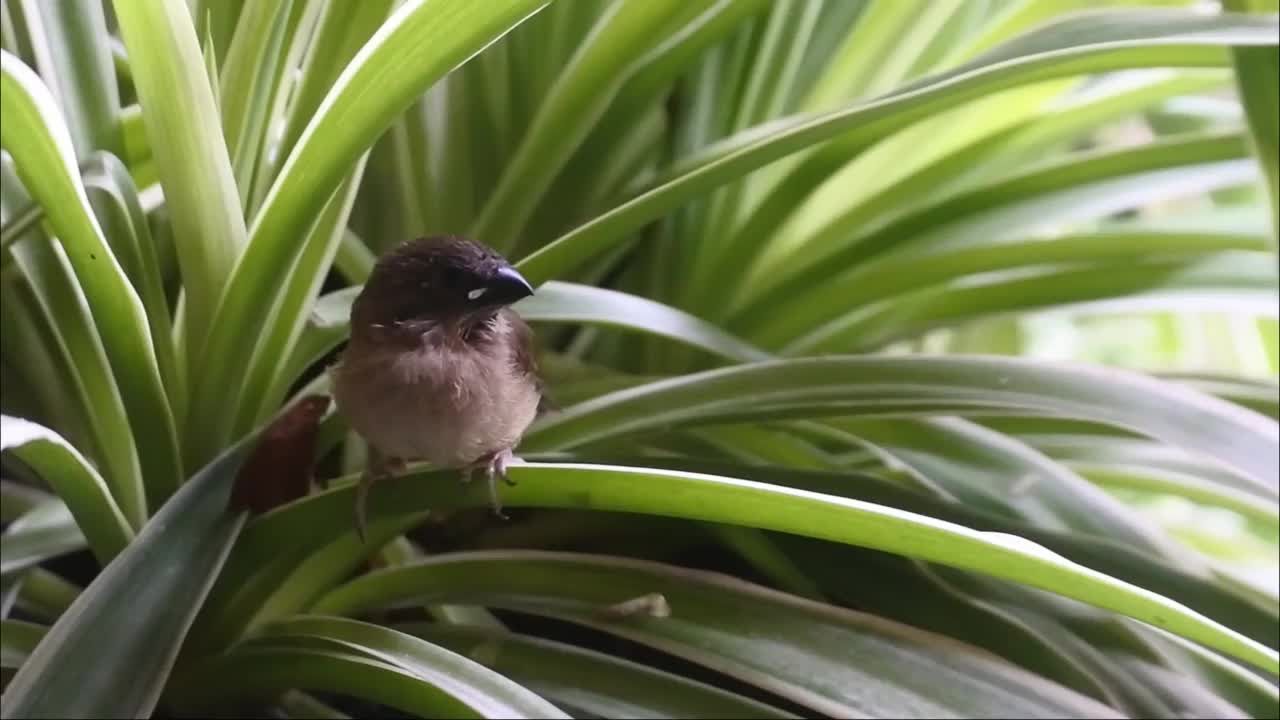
(279, 469)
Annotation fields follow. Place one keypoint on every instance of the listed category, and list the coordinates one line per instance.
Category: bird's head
(441, 279)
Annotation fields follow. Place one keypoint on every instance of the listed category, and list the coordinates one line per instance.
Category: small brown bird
(439, 367)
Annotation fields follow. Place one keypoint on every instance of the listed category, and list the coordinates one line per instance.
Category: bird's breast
(449, 406)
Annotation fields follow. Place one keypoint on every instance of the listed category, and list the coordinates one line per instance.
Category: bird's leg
(495, 466)
(378, 467)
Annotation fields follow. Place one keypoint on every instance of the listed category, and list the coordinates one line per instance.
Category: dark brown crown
(437, 278)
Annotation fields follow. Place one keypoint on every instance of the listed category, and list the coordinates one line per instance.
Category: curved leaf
(73, 479)
(897, 273)
(184, 132)
(592, 683)
(55, 325)
(979, 466)
(17, 640)
(1092, 42)
(1241, 281)
(832, 660)
(34, 134)
(314, 521)
(74, 57)
(264, 669)
(479, 689)
(580, 96)
(574, 303)
(1257, 76)
(1243, 440)
(1191, 487)
(114, 198)
(44, 532)
(175, 558)
(1036, 201)
(1200, 591)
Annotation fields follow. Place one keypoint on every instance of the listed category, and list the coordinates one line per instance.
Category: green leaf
(1259, 395)
(1242, 687)
(1191, 487)
(17, 640)
(1091, 42)
(1240, 281)
(42, 533)
(216, 22)
(45, 595)
(137, 634)
(16, 499)
(604, 161)
(1112, 99)
(1033, 201)
(1099, 446)
(74, 58)
(1257, 81)
(52, 320)
(978, 467)
(73, 479)
(1198, 590)
(581, 94)
(268, 668)
(461, 686)
(894, 275)
(341, 30)
(317, 520)
(246, 84)
(115, 201)
(34, 134)
(834, 661)
(1241, 439)
(266, 378)
(589, 682)
(258, 588)
(185, 135)
(40, 368)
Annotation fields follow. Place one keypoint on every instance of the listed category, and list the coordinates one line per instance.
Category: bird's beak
(507, 286)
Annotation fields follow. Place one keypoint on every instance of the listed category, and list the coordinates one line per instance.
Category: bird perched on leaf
(439, 367)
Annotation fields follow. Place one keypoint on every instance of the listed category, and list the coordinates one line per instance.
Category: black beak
(507, 286)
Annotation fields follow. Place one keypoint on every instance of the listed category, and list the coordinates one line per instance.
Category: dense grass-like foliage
(910, 358)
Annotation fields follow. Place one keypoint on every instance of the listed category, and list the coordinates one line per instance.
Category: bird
(439, 367)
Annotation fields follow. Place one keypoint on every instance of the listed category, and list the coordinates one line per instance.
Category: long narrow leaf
(1258, 80)
(73, 479)
(185, 136)
(176, 558)
(831, 660)
(1095, 42)
(599, 684)
(1241, 439)
(41, 149)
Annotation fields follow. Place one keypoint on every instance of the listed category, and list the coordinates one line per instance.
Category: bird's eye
(477, 293)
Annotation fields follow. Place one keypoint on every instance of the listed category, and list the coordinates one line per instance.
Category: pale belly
(449, 409)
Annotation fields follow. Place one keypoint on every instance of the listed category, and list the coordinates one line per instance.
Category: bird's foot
(373, 473)
(495, 466)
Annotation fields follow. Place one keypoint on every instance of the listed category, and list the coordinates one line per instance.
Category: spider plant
(883, 336)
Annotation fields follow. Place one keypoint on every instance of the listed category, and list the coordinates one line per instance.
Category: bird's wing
(525, 355)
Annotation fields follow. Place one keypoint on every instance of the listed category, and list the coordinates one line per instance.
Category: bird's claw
(494, 467)
(362, 499)
(367, 479)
